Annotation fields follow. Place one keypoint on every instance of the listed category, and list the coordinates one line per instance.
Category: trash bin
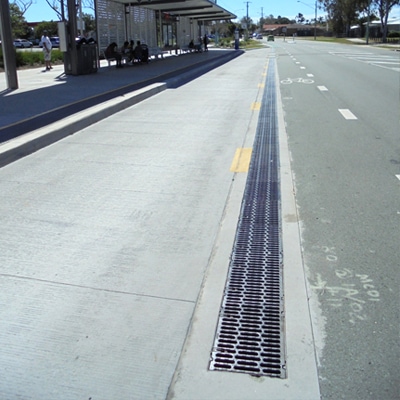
(87, 60)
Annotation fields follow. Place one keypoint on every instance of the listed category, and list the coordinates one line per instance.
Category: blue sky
(40, 11)
(257, 8)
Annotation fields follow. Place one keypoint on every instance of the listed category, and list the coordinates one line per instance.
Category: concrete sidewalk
(116, 243)
(47, 98)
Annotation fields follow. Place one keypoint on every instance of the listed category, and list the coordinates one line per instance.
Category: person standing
(205, 41)
(47, 46)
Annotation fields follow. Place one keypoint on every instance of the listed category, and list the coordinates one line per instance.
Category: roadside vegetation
(32, 59)
(393, 38)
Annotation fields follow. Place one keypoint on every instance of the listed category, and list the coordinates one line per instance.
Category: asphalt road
(341, 107)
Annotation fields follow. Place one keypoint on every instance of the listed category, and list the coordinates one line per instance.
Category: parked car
(271, 38)
(259, 36)
(22, 43)
(55, 41)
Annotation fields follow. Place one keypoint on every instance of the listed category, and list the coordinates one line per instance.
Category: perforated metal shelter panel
(110, 23)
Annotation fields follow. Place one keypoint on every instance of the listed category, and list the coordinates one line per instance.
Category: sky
(40, 10)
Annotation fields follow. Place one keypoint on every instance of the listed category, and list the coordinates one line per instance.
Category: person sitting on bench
(138, 52)
(112, 52)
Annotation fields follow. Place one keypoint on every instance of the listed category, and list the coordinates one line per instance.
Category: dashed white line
(302, 67)
(322, 88)
(347, 114)
(310, 75)
(398, 177)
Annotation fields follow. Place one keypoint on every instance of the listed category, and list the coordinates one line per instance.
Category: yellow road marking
(255, 106)
(241, 160)
(261, 85)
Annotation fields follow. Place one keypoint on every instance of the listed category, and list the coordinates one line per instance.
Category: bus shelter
(168, 24)
(158, 23)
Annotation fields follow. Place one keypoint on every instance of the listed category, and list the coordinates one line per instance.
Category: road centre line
(398, 177)
(322, 88)
(302, 67)
(310, 75)
(347, 114)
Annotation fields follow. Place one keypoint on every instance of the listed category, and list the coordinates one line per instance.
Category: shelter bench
(198, 48)
(124, 59)
(156, 52)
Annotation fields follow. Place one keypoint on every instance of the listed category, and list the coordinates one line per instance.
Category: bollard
(236, 39)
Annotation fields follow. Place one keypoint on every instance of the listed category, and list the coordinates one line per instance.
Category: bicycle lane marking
(289, 81)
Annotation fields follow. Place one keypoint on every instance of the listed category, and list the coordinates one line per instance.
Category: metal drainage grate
(249, 335)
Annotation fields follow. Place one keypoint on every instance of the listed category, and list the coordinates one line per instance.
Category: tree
(60, 6)
(342, 13)
(90, 22)
(269, 20)
(19, 26)
(384, 7)
(282, 20)
(300, 18)
(23, 5)
(50, 27)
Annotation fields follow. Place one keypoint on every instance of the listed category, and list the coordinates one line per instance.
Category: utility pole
(247, 19)
(10, 64)
(315, 18)
(368, 21)
(315, 21)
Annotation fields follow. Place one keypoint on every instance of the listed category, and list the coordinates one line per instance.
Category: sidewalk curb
(31, 142)
(114, 101)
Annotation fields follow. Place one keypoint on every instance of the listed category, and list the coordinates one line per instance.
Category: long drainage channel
(250, 333)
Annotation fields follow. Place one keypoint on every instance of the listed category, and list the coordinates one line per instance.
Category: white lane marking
(322, 88)
(310, 75)
(390, 62)
(297, 62)
(302, 67)
(398, 177)
(347, 114)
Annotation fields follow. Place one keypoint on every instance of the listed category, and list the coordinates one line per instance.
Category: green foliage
(90, 22)
(19, 26)
(282, 20)
(393, 34)
(50, 27)
(32, 58)
(224, 42)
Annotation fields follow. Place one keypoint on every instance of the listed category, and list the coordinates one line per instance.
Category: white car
(22, 43)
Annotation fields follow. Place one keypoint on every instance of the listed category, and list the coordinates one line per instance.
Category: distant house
(291, 29)
(375, 28)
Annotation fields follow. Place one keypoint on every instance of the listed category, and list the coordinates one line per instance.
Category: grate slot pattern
(250, 331)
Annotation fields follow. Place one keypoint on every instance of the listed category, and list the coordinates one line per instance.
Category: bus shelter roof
(196, 9)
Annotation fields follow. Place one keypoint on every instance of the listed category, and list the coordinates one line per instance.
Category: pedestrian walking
(47, 46)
